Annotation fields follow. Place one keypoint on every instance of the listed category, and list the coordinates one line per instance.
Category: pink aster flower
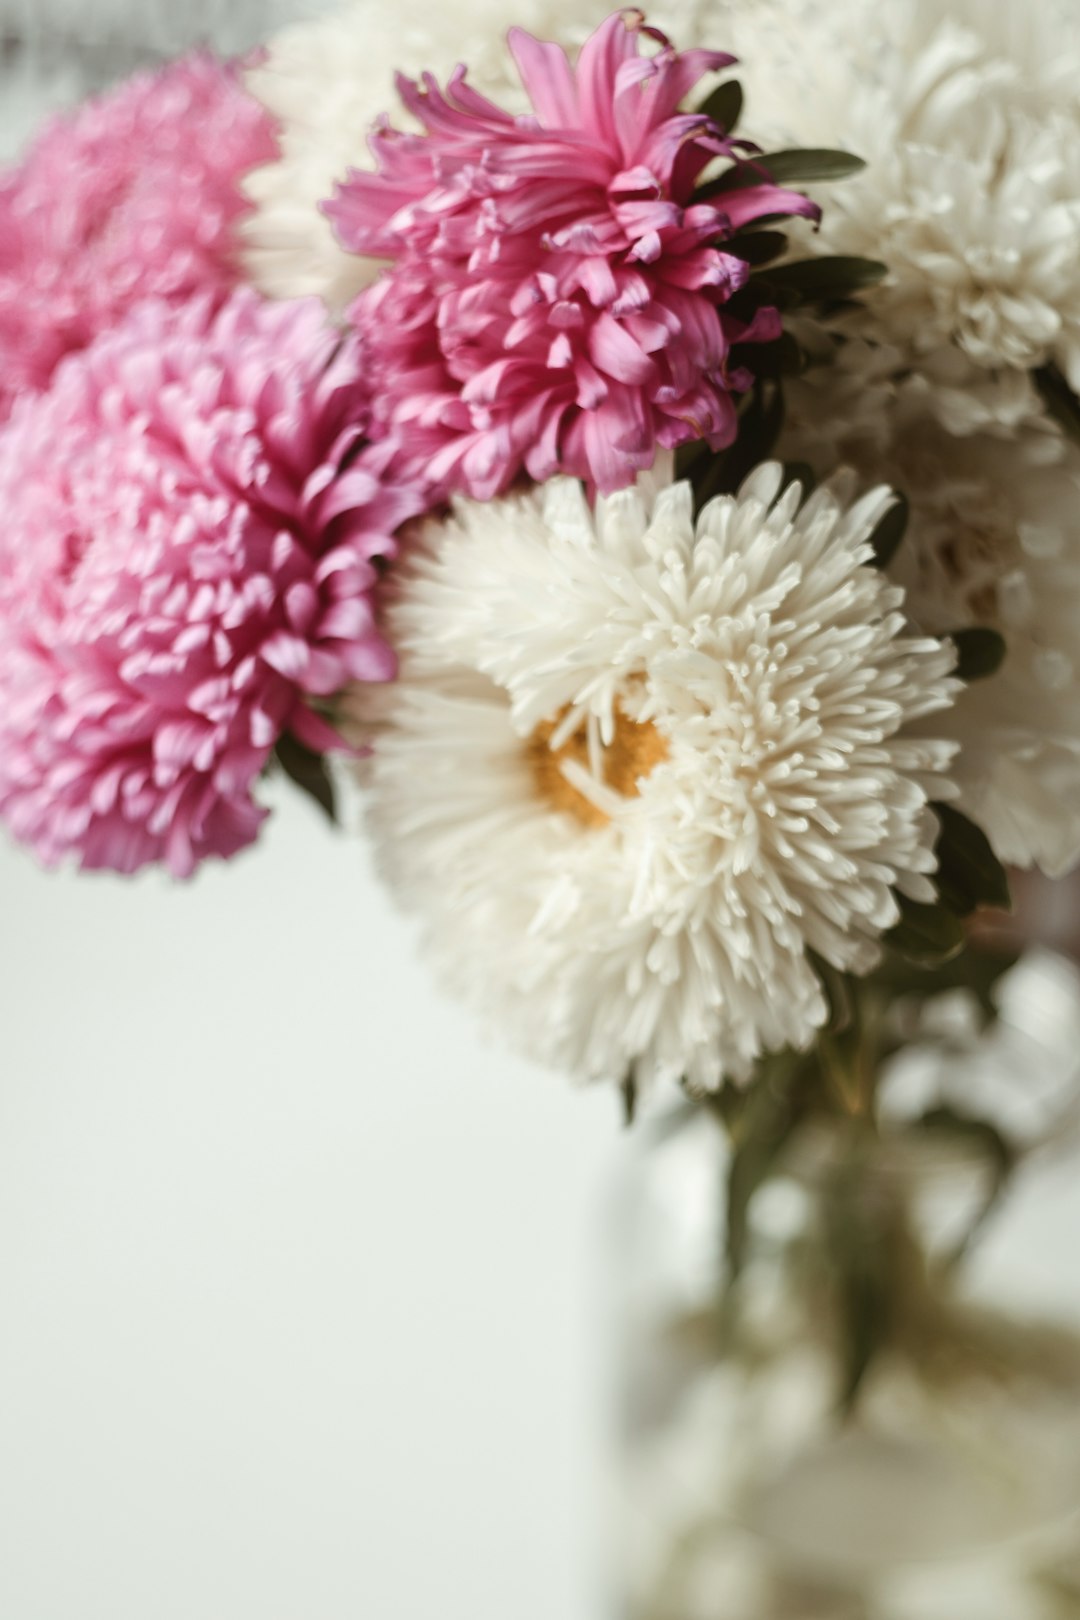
(187, 567)
(557, 295)
(133, 195)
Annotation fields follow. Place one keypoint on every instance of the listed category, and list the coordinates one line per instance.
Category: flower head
(556, 298)
(134, 195)
(185, 565)
(637, 768)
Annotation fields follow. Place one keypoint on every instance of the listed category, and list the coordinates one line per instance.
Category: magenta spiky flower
(133, 195)
(187, 568)
(556, 302)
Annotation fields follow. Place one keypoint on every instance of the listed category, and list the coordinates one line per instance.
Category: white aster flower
(994, 541)
(635, 768)
(968, 117)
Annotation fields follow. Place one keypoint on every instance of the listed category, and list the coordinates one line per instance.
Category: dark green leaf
(691, 460)
(308, 771)
(724, 105)
(976, 969)
(979, 652)
(1059, 399)
(758, 247)
(969, 873)
(747, 172)
(756, 294)
(925, 935)
(831, 277)
(782, 358)
(890, 531)
(629, 1092)
(810, 163)
(761, 419)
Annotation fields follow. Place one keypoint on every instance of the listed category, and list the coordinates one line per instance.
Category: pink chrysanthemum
(134, 195)
(186, 558)
(556, 298)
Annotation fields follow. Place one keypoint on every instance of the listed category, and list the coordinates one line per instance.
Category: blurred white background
(301, 1287)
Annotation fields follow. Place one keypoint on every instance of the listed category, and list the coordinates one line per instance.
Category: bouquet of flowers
(647, 449)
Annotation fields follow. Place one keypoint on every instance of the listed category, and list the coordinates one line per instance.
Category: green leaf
(890, 531)
(781, 358)
(978, 969)
(979, 652)
(691, 460)
(810, 163)
(756, 294)
(724, 105)
(629, 1092)
(761, 419)
(758, 247)
(1059, 399)
(927, 936)
(743, 173)
(827, 279)
(309, 772)
(969, 874)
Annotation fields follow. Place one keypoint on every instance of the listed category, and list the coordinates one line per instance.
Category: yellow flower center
(633, 753)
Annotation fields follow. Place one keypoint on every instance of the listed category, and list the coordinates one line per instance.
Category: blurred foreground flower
(133, 195)
(186, 565)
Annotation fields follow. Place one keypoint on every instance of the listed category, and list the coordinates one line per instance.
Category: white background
(301, 1288)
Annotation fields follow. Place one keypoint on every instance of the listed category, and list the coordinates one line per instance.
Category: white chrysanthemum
(327, 81)
(994, 541)
(635, 769)
(968, 117)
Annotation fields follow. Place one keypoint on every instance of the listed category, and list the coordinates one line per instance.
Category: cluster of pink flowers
(557, 296)
(200, 488)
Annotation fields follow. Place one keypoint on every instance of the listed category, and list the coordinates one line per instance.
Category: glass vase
(851, 1354)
